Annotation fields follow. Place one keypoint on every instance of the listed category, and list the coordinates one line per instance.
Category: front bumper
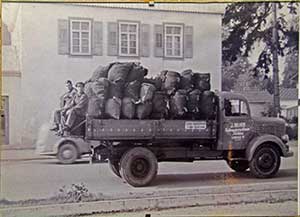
(288, 154)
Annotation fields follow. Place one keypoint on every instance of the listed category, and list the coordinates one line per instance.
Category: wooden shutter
(145, 40)
(158, 41)
(112, 39)
(63, 37)
(97, 39)
(188, 42)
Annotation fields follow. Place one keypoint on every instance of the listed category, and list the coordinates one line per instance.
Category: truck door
(237, 124)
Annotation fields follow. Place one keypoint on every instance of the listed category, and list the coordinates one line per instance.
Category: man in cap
(66, 102)
(78, 109)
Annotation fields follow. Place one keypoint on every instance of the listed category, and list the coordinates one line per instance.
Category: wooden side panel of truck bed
(114, 130)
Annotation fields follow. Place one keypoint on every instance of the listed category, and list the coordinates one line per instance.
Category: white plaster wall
(11, 63)
(11, 88)
(44, 71)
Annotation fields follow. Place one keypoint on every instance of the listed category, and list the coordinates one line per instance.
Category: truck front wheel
(238, 165)
(139, 166)
(265, 162)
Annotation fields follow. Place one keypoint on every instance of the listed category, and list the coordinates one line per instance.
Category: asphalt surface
(28, 176)
(262, 209)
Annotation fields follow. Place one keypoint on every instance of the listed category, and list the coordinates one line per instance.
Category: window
(6, 36)
(80, 37)
(173, 40)
(128, 39)
(235, 107)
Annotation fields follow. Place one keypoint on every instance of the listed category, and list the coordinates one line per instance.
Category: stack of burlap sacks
(121, 91)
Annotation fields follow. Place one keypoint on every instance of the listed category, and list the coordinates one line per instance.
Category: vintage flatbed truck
(134, 147)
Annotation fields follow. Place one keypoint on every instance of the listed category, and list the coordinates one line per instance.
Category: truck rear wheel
(114, 167)
(265, 162)
(139, 166)
(238, 165)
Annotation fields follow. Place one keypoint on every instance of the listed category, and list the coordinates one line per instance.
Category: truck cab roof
(231, 95)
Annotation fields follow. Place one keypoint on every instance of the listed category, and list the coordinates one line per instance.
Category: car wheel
(139, 166)
(265, 162)
(67, 153)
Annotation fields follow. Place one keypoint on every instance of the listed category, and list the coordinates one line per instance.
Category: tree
(239, 76)
(249, 25)
(290, 73)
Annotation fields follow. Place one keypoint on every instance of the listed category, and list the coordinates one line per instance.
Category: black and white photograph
(149, 109)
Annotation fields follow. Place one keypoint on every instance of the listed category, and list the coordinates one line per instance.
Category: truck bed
(120, 130)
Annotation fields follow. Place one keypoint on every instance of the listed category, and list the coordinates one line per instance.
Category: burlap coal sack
(147, 92)
(128, 108)
(178, 104)
(96, 106)
(143, 110)
(113, 108)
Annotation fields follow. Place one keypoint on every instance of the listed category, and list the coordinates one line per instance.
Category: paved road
(287, 208)
(43, 177)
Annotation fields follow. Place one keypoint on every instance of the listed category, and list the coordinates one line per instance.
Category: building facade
(57, 42)
(289, 102)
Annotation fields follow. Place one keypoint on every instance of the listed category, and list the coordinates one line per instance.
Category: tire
(265, 162)
(67, 153)
(239, 166)
(139, 166)
(114, 167)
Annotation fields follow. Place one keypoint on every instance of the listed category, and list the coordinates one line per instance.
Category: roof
(231, 95)
(288, 94)
(257, 96)
(211, 8)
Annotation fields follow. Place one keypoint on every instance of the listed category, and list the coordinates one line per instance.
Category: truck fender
(257, 141)
(80, 144)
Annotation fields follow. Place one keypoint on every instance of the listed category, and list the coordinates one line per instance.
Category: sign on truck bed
(103, 129)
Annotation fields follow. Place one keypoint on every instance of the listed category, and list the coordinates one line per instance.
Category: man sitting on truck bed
(66, 101)
(78, 109)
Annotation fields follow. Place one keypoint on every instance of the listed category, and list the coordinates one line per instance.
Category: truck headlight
(285, 138)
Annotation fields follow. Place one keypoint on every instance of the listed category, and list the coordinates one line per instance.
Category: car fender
(81, 145)
(257, 141)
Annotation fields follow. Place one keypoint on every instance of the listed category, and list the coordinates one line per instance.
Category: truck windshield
(235, 107)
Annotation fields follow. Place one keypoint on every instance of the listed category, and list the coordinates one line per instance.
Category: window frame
(80, 20)
(240, 108)
(165, 34)
(137, 34)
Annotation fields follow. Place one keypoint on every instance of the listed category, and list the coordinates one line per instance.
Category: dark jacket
(67, 98)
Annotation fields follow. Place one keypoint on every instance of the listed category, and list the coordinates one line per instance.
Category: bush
(75, 193)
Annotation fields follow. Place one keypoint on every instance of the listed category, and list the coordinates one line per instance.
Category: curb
(274, 192)
(15, 147)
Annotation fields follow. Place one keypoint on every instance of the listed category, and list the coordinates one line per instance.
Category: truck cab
(255, 142)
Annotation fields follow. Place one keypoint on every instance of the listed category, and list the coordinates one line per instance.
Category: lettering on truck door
(237, 124)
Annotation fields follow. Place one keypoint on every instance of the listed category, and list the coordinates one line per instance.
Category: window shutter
(188, 42)
(112, 39)
(97, 38)
(158, 41)
(63, 37)
(144, 40)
